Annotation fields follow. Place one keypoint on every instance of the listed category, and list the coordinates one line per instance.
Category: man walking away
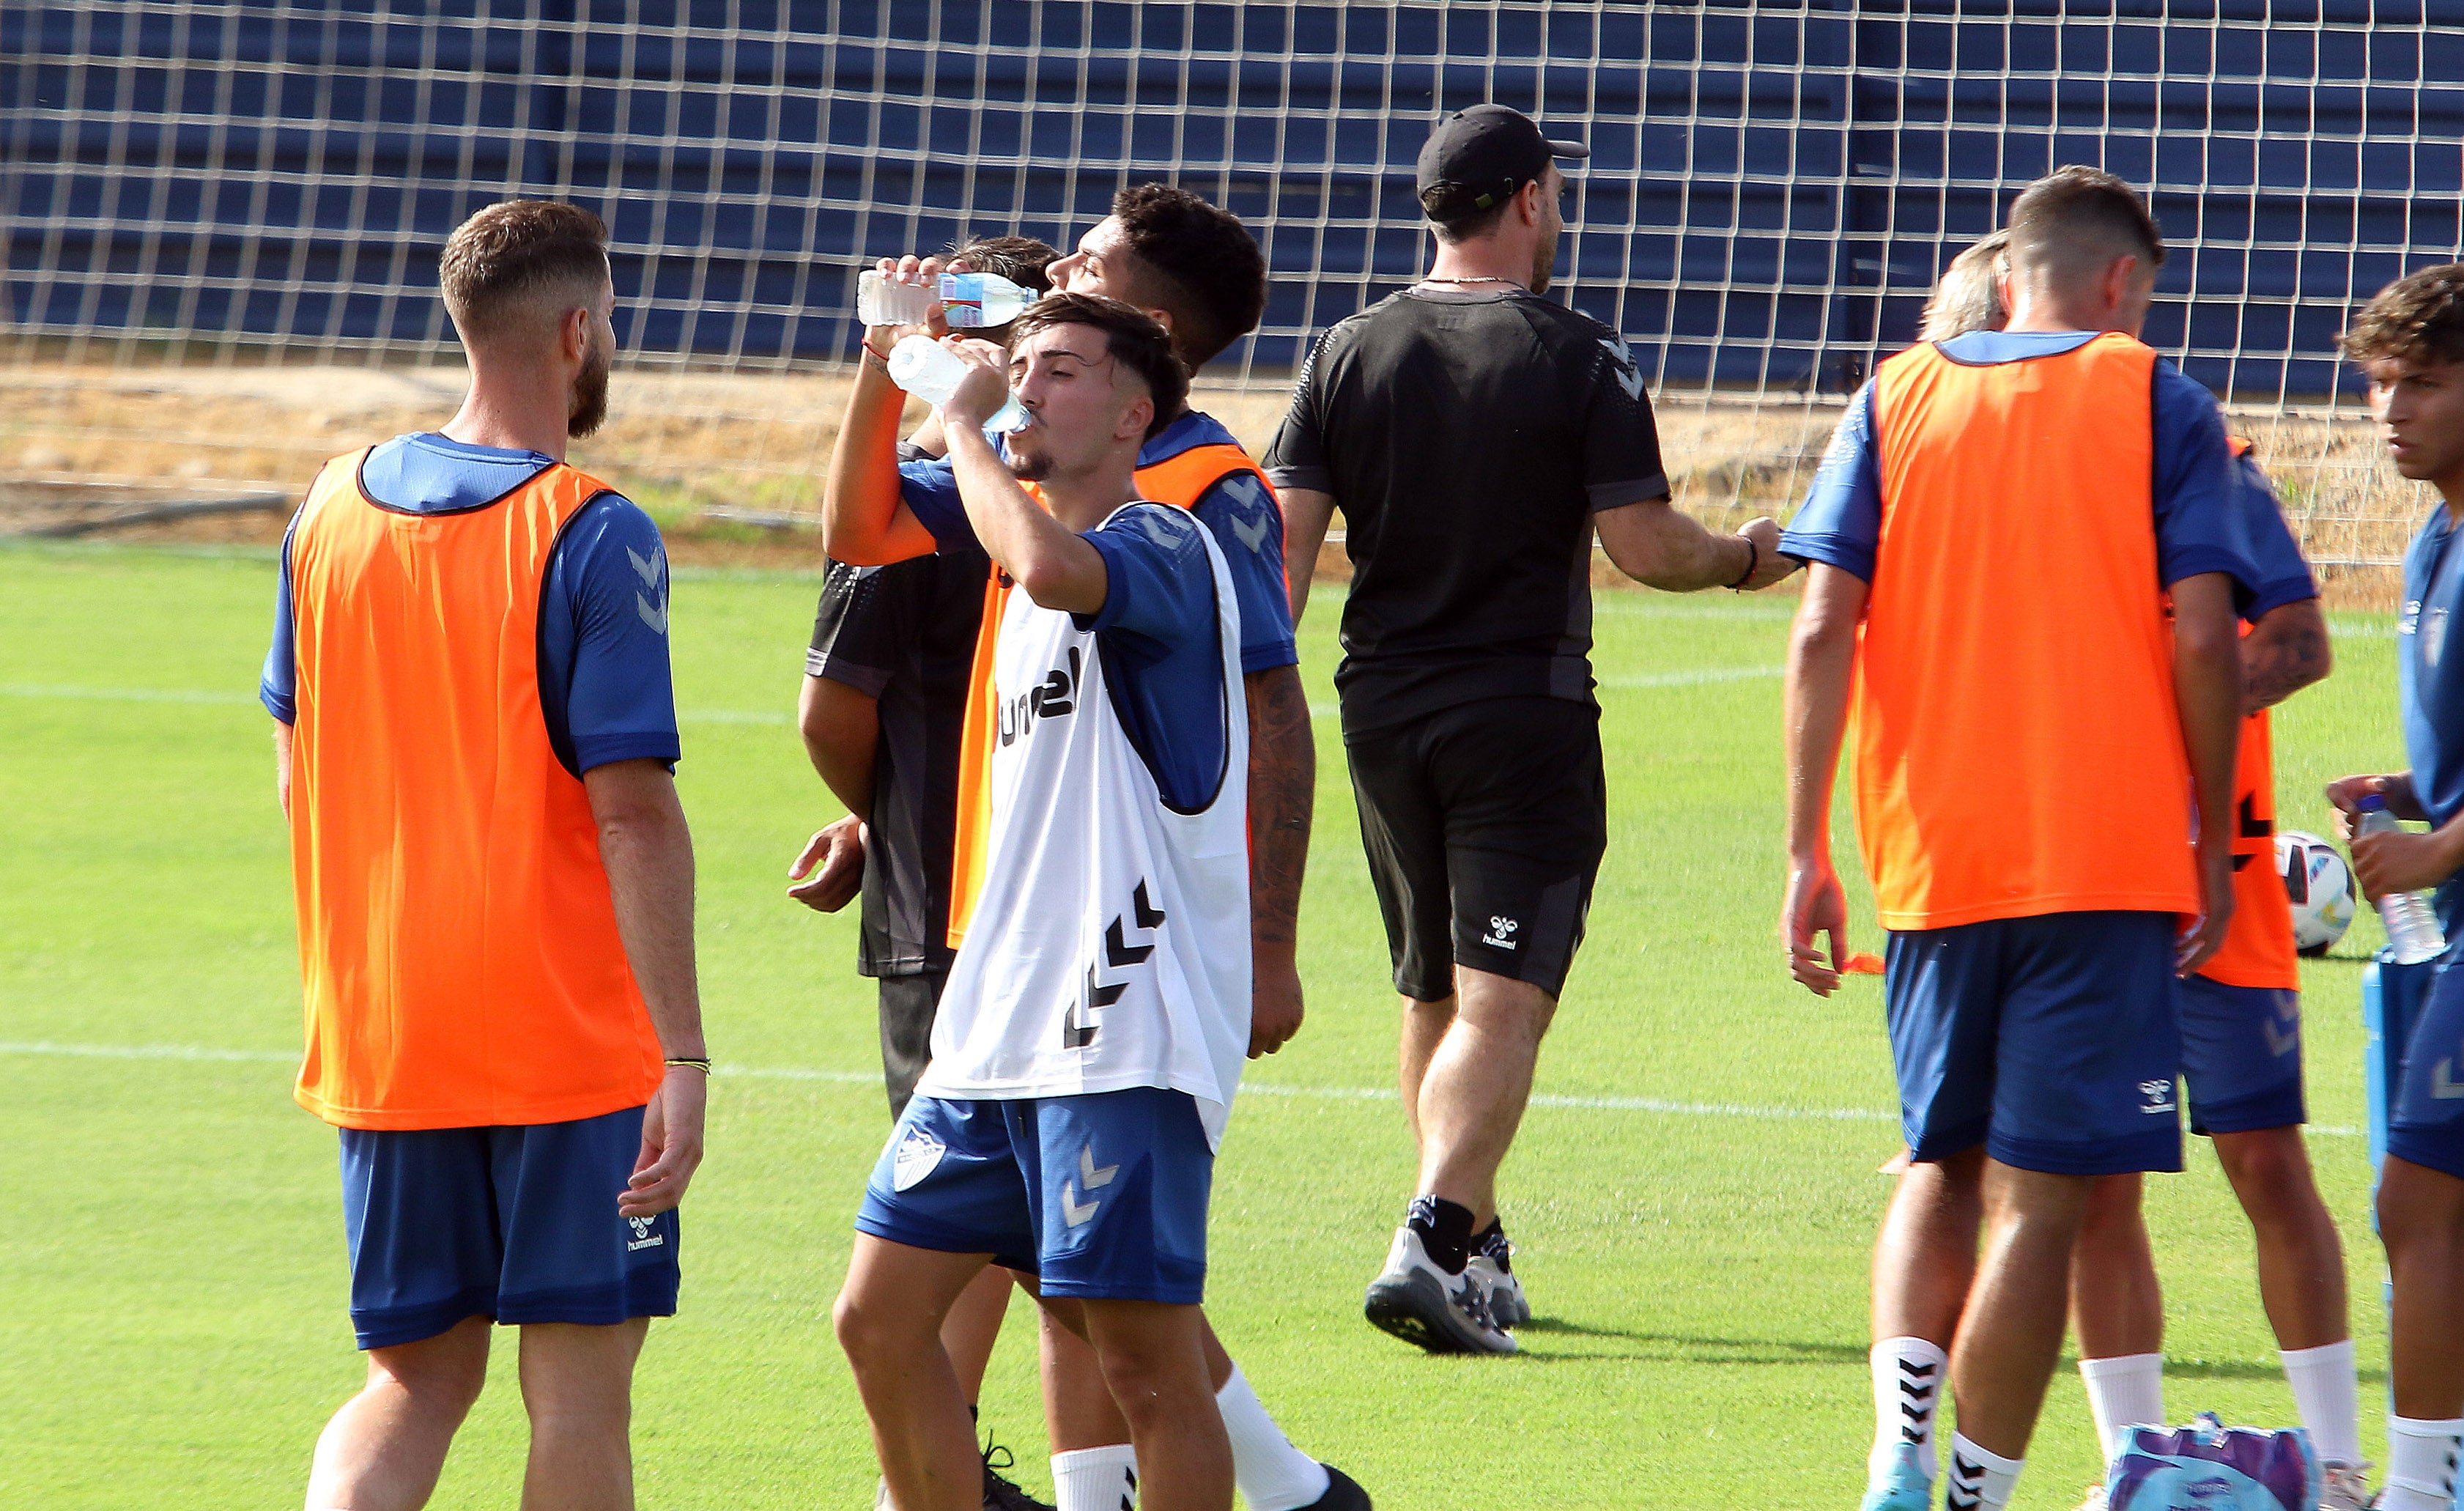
(1993, 533)
(1476, 435)
(475, 742)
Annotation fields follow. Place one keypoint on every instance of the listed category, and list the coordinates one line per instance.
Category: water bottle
(968, 300)
(924, 368)
(976, 300)
(2411, 927)
(880, 302)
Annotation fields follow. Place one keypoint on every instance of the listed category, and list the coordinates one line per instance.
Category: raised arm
(1049, 561)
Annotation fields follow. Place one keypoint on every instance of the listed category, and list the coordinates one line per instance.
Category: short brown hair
(2417, 319)
(1198, 262)
(2076, 217)
(1135, 339)
(513, 253)
(1021, 259)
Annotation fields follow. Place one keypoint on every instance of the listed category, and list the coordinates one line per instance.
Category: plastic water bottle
(924, 368)
(974, 301)
(968, 300)
(2411, 927)
(880, 302)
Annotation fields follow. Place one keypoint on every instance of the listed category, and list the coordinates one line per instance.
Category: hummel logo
(1498, 930)
(2284, 1041)
(2443, 1083)
(1089, 1179)
(643, 1237)
(2252, 827)
(1051, 699)
(1078, 1025)
(649, 569)
(2159, 1095)
(1629, 376)
(1250, 520)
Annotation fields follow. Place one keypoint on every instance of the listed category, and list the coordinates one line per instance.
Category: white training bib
(1110, 946)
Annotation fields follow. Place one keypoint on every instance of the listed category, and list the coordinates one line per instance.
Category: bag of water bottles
(2208, 1466)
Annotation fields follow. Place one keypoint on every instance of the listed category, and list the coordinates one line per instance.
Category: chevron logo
(2443, 1083)
(1090, 1178)
(1079, 1024)
(2284, 1030)
(1149, 916)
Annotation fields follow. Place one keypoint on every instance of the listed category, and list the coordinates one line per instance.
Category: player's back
(2015, 682)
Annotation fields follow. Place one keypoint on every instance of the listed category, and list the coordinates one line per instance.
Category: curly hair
(1198, 262)
(510, 254)
(2417, 319)
(1134, 337)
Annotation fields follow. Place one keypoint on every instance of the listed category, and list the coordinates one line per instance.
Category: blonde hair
(1969, 296)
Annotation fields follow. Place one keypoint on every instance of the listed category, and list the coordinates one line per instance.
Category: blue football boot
(1908, 1489)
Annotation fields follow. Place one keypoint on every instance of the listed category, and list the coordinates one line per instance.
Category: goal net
(238, 188)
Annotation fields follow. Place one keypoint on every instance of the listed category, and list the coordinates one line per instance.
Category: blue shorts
(1101, 1196)
(2242, 1056)
(514, 1223)
(2051, 1041)
(2425, 1125)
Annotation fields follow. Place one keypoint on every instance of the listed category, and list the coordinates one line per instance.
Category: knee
(441, 1376)
(2271, 1175)
(2419, 1209)
(2111, 1214)
(873, 1333)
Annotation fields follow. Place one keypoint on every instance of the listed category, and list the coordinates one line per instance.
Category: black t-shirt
(1468, 437)
(906, 635)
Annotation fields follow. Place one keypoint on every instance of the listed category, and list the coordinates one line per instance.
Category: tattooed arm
(2284, 653)
(1283, 786)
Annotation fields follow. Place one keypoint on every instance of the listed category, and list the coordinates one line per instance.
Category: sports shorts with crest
(1100, 1196)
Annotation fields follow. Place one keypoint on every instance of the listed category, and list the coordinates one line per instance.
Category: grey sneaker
(2344, 1487)
(1421, 1303)
(1493, 1255)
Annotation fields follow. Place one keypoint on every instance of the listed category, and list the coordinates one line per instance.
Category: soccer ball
(2321, 886)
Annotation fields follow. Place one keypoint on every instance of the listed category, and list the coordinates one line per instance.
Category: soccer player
(883, 696)
(1090, 1039)
(1196, 270)
(2409, 342)
(1990, 536)
(2241, 1057)
(1477, 435)
(475, 742)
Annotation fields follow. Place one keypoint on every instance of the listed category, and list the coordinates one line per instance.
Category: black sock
(1490, 1241)
(1444, 1227)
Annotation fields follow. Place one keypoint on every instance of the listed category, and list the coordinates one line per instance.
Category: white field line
(181, 695)
(853, 1078)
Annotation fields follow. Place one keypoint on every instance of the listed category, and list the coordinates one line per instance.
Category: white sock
(2328, 1397)
(1096, 1479)
(1273, 1476)
(2421, 1465)
(1979, 1480)
(2122, 1393)
(1907, 1395)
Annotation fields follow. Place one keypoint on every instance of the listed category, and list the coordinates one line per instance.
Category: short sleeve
(1840, 522)
(856, 628)
(1157, 582)
(2201, 517)
(2283, 573)
(1296, 456)
(930, 489)
(278, 683)
(605, 684)
(1621, 461)
(1248, 527)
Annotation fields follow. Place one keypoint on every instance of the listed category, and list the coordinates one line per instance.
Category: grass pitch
(1693, 1194)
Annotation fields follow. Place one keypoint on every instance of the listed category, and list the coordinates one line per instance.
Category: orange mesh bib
(2018, 750)
(457, 941)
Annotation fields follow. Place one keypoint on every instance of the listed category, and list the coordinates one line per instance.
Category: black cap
(1477, 157)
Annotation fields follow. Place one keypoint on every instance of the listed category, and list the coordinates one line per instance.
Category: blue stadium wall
(1772, 187)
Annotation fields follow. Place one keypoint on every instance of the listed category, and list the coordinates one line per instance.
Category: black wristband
(1754, 558)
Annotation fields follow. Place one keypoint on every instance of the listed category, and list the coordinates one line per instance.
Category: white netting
(1772, 187)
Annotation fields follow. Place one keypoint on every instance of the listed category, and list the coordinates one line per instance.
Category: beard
(590, 393)
(1544, 264)
(1030, 466)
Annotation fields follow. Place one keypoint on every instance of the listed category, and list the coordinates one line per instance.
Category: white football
(2321, 886)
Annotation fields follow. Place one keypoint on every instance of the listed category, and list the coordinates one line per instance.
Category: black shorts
(1484, 825)
(906, 1007)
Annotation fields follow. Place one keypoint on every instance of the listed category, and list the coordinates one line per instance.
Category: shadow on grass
(1686, 1348)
